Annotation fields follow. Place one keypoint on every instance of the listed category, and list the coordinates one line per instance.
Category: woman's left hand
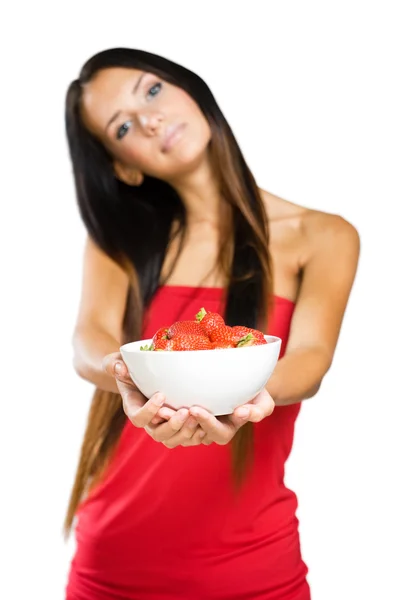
(222, 429)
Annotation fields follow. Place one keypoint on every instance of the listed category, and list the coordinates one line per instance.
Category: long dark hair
(133, 226)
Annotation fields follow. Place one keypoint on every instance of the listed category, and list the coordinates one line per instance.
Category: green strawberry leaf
(201, 314)
(147, 348)
(244, 341)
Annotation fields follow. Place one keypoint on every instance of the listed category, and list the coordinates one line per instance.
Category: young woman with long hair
(182, 504)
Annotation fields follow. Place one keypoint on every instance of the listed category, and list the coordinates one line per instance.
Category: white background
(309, 89)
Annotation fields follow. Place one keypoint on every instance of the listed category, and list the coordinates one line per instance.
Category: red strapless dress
(166, 525)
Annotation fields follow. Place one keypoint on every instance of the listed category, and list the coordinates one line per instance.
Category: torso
(143, 531)
(291, 232)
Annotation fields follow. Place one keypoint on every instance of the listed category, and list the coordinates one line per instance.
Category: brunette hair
(133, 226)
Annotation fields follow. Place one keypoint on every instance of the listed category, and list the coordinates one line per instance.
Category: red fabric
(166, 524)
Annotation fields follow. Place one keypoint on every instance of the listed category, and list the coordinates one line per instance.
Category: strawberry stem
(245, 341)
(201, 314)
(147, 348)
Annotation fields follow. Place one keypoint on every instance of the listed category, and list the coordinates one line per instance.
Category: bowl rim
(272, 339)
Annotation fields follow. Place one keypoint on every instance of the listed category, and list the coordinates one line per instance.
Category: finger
(157, 421)
(219, 431)
(138, 411)
(163, 432)
(114, 365)
(260, 407)
(186, 436)
(109, 360)
(206, 441)
(200, 437)
(164, 414)
(188, 430)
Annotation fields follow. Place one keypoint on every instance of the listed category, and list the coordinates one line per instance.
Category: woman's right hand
(170, 427)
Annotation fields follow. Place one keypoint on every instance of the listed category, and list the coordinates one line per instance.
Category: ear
(128, 175)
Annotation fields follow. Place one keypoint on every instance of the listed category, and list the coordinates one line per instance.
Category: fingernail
(118, 368)
(202, 434)
(163, 413)
(242, 412)
(158, 399)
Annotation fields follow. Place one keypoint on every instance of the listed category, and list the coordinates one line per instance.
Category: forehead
(106, 93)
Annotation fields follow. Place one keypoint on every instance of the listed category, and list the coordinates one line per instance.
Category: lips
(172, 134)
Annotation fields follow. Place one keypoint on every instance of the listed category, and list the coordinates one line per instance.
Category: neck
(200, 194)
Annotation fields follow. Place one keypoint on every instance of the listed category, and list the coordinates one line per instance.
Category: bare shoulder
(279, 209)
(311, 230)
(327, 232)
(316, 257)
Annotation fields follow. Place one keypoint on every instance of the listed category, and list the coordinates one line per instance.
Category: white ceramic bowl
(217, 380)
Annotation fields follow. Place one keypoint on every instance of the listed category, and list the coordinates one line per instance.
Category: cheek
(128, 153)
(135, 152)
(199, 123)
(189, 109)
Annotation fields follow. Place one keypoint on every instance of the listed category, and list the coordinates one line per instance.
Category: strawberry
(189, 342)
(185, 328)
(251, 340)
(223, 337)
(244, 332)
(160, 339)
(209, 320)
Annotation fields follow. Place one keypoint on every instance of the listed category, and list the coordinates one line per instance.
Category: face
(148, 125)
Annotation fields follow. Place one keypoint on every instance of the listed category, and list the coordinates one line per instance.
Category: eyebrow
(135, 89)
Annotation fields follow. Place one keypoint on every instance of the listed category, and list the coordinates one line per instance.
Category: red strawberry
(242, 332)
(251, 340)
(185, 328)
(189, 342)
(160, 339)
(223, 337)
(209, 320)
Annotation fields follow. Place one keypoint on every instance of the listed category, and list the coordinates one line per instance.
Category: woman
(175, 222)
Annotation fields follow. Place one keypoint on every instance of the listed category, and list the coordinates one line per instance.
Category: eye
(154, 90)
(123, 130)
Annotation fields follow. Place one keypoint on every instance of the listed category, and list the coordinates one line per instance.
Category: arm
(96, 341)
(98, 330)
(327, 279)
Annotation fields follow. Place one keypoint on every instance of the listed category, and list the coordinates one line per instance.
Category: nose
(150, 122)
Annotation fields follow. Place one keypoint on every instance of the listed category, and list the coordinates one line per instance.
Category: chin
(192, 154)
(184, 162)
(188, 164)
